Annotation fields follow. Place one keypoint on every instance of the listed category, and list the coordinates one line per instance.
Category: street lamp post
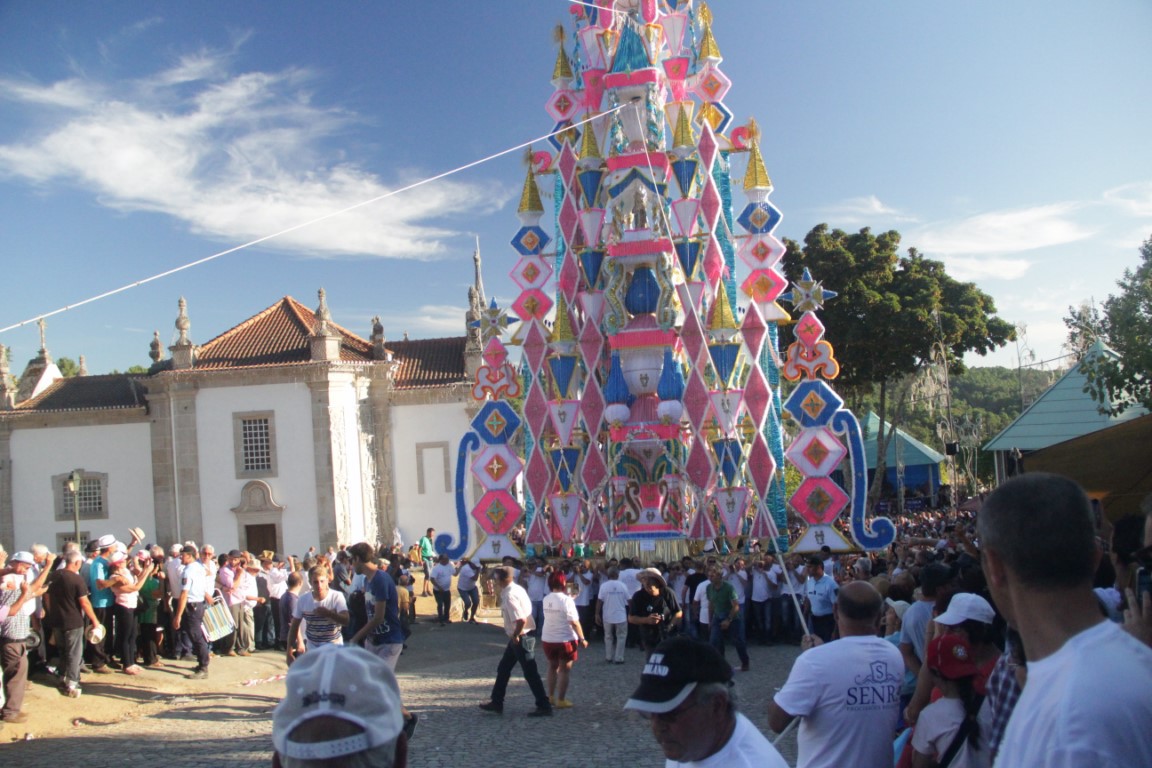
(75, 480)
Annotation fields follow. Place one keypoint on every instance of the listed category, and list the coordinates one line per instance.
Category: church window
(90, 498)
(254, 437)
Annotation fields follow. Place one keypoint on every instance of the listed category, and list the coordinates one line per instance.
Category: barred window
(90, 498)
(257, 447)
(255, 444)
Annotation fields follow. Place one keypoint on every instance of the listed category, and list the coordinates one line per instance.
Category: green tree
(890, 315)
(68, 367)
(1125, 325)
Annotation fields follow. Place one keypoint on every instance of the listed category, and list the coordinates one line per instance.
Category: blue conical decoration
(671, 386)
(728, 455)
(685, 173)
(564, 461)
(562, 367)
(616, 388)
(724, 360)
(631, 53)
(643, 292)
(592, 260)
(590, 185)
(689, 253)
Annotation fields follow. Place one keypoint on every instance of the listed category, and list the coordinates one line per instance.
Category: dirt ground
(117, 697)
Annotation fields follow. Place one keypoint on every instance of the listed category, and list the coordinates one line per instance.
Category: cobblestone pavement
(444, 674)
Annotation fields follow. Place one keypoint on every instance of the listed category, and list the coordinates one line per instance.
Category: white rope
(300, 226)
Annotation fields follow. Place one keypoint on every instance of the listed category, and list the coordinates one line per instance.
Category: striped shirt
(317, 630)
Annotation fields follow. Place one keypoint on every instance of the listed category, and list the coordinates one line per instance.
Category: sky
(1008, 140)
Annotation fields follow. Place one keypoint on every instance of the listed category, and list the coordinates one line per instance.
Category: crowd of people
(977, 639)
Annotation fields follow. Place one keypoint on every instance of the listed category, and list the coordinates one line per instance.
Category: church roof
(429, 362)
(88, 393)
(277, 336)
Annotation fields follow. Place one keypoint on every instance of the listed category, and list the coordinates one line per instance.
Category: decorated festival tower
(645, 409)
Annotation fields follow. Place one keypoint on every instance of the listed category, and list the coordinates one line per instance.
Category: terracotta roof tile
(86, 393)
(429, 362)
(277, 336)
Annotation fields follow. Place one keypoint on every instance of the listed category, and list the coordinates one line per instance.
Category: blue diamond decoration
(530, 240)
(813, 403)
(496, 422)
(558, 139)
(760, 218)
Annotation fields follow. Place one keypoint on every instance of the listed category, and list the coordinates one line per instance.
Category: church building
(283, 432)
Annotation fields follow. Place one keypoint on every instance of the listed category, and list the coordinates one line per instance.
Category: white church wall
(294, 484)
(122, 452)
(346, 465)
(425, 441)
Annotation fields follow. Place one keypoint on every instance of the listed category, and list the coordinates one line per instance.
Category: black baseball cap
(673, 671)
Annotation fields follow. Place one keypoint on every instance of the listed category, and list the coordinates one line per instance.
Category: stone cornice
(75, 418)
(456, 393)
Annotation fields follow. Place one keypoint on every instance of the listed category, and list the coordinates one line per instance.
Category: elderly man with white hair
(341, 708)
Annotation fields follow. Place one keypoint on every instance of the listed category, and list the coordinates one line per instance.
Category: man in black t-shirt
(654, 609)
(67, 605)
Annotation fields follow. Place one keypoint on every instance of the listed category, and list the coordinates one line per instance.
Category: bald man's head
(859, 602)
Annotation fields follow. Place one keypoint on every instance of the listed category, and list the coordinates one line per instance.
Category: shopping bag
(218, 620)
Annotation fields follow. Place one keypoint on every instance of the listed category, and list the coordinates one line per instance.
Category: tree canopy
(892, 312)
(1125, 324)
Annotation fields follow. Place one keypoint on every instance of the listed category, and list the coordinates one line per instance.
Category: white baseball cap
(345, 682)
(965, 606)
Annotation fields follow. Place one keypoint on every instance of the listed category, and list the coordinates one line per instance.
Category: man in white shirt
(323, 610)
(516, 610)
(847, 691)
(612, 615)
(1086, 701)
(467, 574)
(441, 577)
(685, 693)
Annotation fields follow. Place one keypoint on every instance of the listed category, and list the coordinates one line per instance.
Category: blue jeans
(761, 620)
(520, 653)
(471, 600)
(538, 616)
(733, 634)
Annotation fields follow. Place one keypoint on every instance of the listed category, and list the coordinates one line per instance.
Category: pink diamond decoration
(710, 203)
(595, 469)
(497, 512)
(763, 526)
(711, 85)
(538, 532)
(707, 147)
(762, 251)
(532, 303)
(569, 281)
(591, 345)
(702, 528)
(496, 467)
(809, 330)
(538, 476)
(597, 531)
(692, 332)
(535, 346)
(819, 500)
(757, 396)
(700, 469)
(592, 407)
(764, 285)
(697, 399)
(816, 452)
(536, 410)
(761, 465)
(531, 272)
(569, 218)
(495, 353)
(713, 261)
(562, 104)
(753, 328)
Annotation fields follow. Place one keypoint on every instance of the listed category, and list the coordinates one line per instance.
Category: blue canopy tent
(921, 464)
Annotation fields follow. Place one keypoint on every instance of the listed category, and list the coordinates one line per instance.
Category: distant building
(284, 432)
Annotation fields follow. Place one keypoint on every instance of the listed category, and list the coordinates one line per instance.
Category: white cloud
(429, 321)
(1134, 199)
(861, 210)
(233, 157)
(980, 268)
(999, 232)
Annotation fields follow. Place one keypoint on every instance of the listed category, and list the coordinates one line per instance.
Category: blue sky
(1009, 140)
